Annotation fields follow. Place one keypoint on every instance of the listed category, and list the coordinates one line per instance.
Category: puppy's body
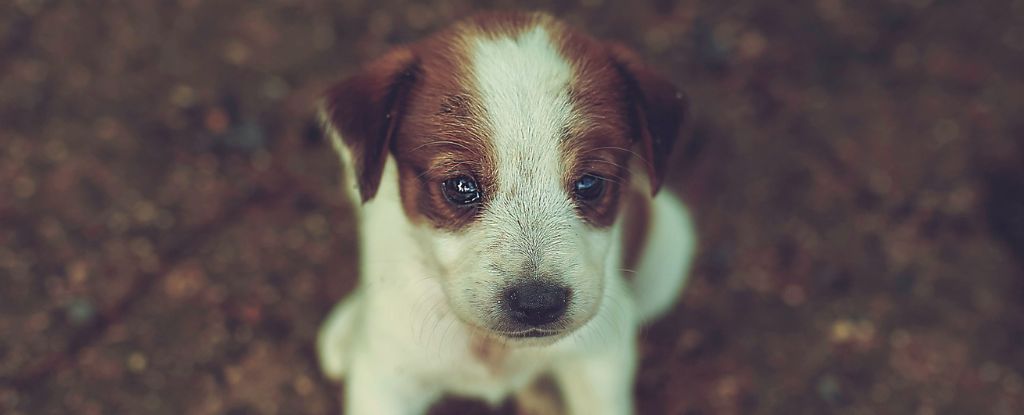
(488, 259)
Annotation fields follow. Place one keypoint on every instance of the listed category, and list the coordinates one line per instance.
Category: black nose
(537, 303)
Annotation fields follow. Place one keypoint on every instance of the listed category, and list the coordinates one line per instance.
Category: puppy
(504, 173)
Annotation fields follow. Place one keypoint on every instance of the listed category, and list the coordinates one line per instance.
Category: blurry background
(172, 233)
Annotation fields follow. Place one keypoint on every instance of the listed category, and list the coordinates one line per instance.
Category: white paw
(333, 342)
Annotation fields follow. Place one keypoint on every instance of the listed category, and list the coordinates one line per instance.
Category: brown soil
(172, 233)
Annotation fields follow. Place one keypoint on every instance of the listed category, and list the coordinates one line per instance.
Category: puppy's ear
(363, 113)
(657, 110)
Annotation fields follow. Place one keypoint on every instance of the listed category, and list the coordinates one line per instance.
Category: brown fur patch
(604, 156)
(419, 102)
(366, 111)
(443, 135)
(600, 140)
(657, 110)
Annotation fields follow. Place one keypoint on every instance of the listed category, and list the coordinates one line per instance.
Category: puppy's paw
(332, 363)
(333, 342)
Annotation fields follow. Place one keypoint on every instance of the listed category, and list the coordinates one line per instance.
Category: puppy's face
(512, 135)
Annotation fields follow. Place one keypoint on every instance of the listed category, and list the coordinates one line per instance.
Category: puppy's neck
(389, 251)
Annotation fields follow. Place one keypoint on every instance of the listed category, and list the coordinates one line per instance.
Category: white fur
(426, 296)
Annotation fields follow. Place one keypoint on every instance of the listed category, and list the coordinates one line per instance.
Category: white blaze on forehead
(522, 81)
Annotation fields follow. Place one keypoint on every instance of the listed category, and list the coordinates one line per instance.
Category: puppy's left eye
(589, 187)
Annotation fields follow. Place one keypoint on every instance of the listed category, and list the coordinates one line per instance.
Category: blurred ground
(171, 233)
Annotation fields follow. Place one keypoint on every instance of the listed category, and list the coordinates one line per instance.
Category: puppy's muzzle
(535, 304)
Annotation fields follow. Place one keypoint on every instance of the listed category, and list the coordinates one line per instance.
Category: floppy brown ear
(657, 109)
(365, 110)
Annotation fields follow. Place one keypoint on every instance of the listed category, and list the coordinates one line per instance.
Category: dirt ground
(172, 232)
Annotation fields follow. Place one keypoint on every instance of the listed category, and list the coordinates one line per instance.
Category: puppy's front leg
(376, 388)
(599, 384)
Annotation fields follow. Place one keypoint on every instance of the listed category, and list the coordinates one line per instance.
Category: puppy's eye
(461, 190)
(589, 187)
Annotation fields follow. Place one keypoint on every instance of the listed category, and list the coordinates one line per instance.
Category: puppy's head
(511, 135)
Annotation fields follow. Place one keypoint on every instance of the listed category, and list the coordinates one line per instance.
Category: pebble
(137, 362)
(80, 311)
(829, 388)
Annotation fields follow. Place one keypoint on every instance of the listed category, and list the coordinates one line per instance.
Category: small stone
(80, 311)
(183, 96)
(275, 88)
(24, 187)
(1012, 383)
(56, 150)
(77, 272)
(29, 7)
(236, 52)
(247, 135)
(842, 330)
(691, 339)
(303, 385)
(217, 121)
(752, 45)
(989, 372)
(880, 393)
(145, 212)
(137, 362)
(793, 295)
(727, 388)
(829, 388)
(899, 339)
(945, 131)
(864, 332)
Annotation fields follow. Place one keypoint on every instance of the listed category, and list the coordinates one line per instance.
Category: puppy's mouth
(523, 337)
(531, 334)
(529, 337)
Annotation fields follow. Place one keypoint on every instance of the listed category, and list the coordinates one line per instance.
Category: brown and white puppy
(504, 172)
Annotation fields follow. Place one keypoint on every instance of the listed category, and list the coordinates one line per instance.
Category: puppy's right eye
(461, 190)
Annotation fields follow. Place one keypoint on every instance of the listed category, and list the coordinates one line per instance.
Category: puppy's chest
(493, 357)
(490, 370)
